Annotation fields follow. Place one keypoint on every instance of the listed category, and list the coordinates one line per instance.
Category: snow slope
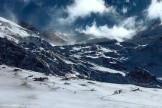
(13, 31)
(107, 61)
(18, 90)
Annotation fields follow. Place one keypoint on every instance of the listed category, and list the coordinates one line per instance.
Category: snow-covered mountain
(55, 37)
(108, 61)
(13, 31)
(107, 72)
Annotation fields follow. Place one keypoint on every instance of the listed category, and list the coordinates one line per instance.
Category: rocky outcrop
(142, 77)
(13, 55)
(105, 61)
(54, 37)
(29, 27)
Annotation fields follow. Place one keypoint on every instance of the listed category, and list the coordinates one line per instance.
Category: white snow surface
(105, 69)
(13, 31)
(18, 90)
(106, 49)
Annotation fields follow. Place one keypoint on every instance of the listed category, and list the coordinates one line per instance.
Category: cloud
(84, 8)
(128, 23)
(10, 14)
(124, 30)
(124, 10)
(155, 10)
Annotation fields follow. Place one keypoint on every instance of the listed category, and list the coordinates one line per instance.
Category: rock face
(62, 60)
(28, 26)
(54, 37)
(142, 77)
(105, 61)
(14, 55)
(149, 55)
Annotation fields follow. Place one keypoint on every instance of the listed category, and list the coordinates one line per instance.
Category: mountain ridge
(108, 61)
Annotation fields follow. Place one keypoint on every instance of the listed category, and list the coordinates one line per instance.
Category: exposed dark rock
(66, 83)
(83, 84)
(14, 55)
(143, 78)
(30, 75)
(28, 26)
(16, 70)
(65, 79)
(83, 60)
(41, 79)
(136, 89)
(53, 37)
(118, 92)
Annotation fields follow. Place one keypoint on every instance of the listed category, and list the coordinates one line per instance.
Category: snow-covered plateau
(22, 89)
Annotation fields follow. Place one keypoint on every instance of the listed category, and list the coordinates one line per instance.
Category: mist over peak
(112, 19)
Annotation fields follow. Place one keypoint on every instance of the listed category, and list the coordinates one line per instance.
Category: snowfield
(19, 90)
(13, 31)
(104, 69)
